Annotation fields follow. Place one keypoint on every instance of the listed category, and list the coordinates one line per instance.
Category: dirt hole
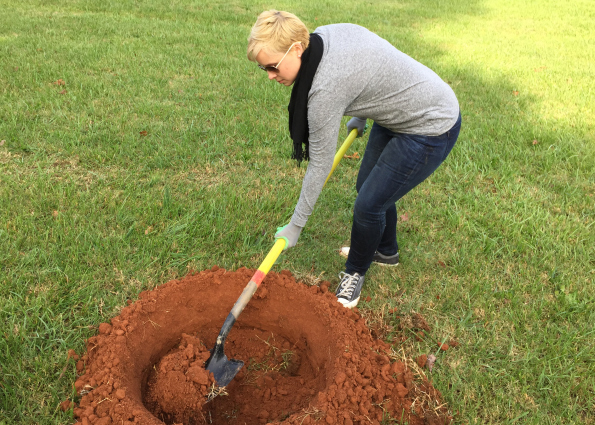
(307, 360)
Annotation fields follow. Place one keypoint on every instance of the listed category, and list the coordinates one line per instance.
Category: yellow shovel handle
(272, 256)
(341, 151)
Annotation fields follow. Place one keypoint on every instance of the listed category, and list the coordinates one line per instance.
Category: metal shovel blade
(223, 370)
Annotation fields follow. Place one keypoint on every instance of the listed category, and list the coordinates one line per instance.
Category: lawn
(138, 143)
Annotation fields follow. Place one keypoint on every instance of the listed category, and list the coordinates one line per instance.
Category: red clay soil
(307, 360)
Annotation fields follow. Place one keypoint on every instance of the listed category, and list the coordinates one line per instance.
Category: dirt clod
(443, 347)
(422, 360)
(105, 328)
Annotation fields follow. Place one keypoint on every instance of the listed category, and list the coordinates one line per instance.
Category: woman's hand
(289, 232)
(359, 123)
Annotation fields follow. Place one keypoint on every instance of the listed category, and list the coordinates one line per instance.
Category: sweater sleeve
(324, 120)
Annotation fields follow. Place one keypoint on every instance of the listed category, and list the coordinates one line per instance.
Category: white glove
(290, 232)
(359, 123)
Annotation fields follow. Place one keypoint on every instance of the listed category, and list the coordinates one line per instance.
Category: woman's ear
(299, 50)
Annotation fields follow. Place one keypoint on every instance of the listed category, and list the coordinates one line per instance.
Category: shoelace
(348, 284)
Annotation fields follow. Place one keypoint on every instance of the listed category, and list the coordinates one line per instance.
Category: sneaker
(349, 289)
(383, 260)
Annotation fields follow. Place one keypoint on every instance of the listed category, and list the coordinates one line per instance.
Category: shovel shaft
(339, 155)
(269, 260)
(251, 288)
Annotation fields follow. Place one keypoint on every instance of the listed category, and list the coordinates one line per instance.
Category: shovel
(224, 369)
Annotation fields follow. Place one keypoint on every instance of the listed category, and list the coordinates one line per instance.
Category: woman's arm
(324, 121)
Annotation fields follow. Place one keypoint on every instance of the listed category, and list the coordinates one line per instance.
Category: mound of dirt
(307, 359)
(178, 385)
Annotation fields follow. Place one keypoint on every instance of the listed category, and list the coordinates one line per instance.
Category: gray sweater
(363, 75)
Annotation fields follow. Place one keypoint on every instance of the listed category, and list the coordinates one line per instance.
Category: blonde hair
(275, 31)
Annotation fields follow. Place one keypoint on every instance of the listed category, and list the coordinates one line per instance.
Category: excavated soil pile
(307, 359)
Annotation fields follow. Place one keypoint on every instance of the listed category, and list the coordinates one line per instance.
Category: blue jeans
(393, 164)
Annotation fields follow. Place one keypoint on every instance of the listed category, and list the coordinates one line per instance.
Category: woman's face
(285, 72)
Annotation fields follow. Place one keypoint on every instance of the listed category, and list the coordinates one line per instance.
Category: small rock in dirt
(120, 394)
(444, 346)
(65, 405)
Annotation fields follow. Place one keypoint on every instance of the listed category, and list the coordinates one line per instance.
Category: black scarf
(298, 103)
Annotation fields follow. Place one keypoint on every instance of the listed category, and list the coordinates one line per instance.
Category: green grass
(497, 248)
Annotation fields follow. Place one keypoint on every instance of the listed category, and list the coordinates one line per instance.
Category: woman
(344, 69)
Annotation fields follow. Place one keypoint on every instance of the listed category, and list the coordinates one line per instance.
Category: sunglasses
(275, 68)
